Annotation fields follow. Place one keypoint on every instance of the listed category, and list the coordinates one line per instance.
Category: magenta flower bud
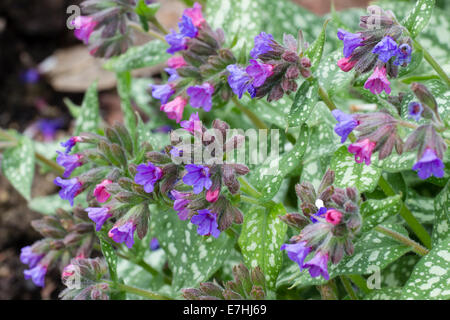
(84, 26)
(378, 81)
(99, 216)
(123, 233)
(259, 72)
(100, 192)
(195, 13)
(176, 62)
(212, 195)
(346, 64)
(147, 175)
(207, 223)
(429, 164)
(297, 252)
(333, 216)
(201, 96)
(318, 265)
(174, 109)
(362, 150)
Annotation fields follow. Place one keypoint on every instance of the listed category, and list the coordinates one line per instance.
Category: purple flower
(99, 216)
(240, 81)
(69, 144)
(30, 76)
(319, 213)
(415, 110)
(187, 28)
(198, 177)
(154, 244)
(403, 55)
(175, 152)
(262, 44)
(27, 256)
(192, 125)
(173, 75)
(48, 127)
(378, 81)
(346, 124)
(37, 274)
(70, 188)
(201, 96)
(84, 26)
(123, 233)
(163, 129)
(162, 92)
(351, 41)
(362, 150)
(195, 13)
(318, 265)
(69, 162)
(259, 72)
(147, 175)
(177, 42)
(207, 223)
(386, 49)
(297, 252)
(429, 164)
(180, 204)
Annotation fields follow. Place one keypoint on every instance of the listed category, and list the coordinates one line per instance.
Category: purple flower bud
(262, 44)
(346, 124)
(201, 96)
(386, 49)
(123, 233)
(69, 188)
(154, 244)
(84, 26)
(351, 41)
(318, 265)
(27, 256)
(259, 72)
(198, 176)
(403, 55)
(192, 125)
(240, 81)
(297, 252)
(415, 110)
(177, 42)
(69, 162)
(322, 211)
(378, 81)
(69, 144)
(37, 274)
(187, 28)
(173, 74)
(100, 193)
(429, 164)
(147, 175)
(207, 223)
(99, 216)
(162, 92)
(362, 150)
(180, 204)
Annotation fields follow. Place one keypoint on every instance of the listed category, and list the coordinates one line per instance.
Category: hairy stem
(140, 292)
(152, 33)
(402, 239)
(326, 99)
(433, 63)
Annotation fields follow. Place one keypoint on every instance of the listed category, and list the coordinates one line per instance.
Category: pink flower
(174, 108)
(195, 14)
(378, 81)
(333, 216)
(345, 64)
(212, 195)
(362, 150)
(176, 62)
(100, 192)
(84, 26)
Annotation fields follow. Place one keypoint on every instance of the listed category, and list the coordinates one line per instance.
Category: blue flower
(177, 42)
(346, 124)
(37, 275)
(162, 92)
(263, 43)
(99, 216)
(297, 252)
(319, 213)
(429, 164)
(70, 188)
(403, 55)
(198, 176)
(27, 256)
(187, 28)
(240, 81)
(123, 233)
(415, 110)
(147, 175)
(318, 265)
(69, 162)
(386, 49)
(351, 41)
(207, 223)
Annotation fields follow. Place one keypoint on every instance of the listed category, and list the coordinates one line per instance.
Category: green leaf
(267, 177)
(261, 237)
(441, 228)
(305, 99)
(49, 204)
(192, 258)
(397, 273)
(351, 174)
(110, 255)
(374, 212)
(146, 12)
(331, 78)
(315, 51)
(89, 117)
(18, 166)
(384, 294)
(124, 90)
(395, 162)
(430, 278)
(417, 19)
(147, 55)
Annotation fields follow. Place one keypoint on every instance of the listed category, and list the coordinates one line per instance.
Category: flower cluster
(334, 222)
(273, 71)
(246, 285)
(201, 57)
(380, 46)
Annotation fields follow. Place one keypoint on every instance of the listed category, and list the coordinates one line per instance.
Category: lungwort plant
(285, 156)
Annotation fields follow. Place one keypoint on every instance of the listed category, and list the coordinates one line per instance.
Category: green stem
(326, 99)
(402, 239)
(158, 25)
(253, 117)
(152, 33)
(348, 287)
(433, 63)
(360, 282)
(407, 124)
(407, 215)
(140, 292)
(248, 188)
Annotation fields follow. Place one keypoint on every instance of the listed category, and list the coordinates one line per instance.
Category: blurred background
(42, 64)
